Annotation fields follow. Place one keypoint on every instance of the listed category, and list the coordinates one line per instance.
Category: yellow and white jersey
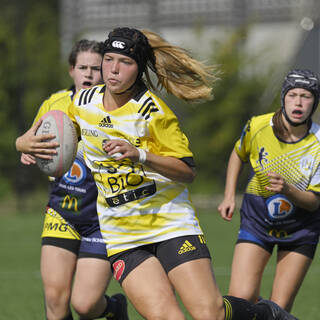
(297, 162)
(136, 205)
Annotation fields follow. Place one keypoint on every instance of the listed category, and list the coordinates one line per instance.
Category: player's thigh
(92, 260)
(148, 288)
(91, 280)
(60, 246)
(57, 267)
(290, 272)
(249, 261)
(196, 285)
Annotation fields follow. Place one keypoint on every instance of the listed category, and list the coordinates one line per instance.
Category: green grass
(21, 295)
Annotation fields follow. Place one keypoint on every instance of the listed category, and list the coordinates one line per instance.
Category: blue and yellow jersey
(74, 195)
(298, 163)
(136, 205)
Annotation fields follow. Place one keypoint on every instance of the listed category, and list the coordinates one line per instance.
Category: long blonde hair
(179, 73)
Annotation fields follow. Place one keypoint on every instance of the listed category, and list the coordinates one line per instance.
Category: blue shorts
(305, 249)
(82, 241)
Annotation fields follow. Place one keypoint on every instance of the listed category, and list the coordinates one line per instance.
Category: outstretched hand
(38, 146)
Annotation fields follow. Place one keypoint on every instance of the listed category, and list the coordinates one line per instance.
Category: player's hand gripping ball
(58, 123)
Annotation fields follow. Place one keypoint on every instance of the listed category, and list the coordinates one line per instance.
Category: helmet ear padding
(305, 79)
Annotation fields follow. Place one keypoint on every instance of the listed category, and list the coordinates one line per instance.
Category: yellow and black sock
(239, 309)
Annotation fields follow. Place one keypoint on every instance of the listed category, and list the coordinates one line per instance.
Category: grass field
(21, 295)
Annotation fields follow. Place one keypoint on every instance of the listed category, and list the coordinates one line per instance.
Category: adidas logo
(187, 246)
(106, 123)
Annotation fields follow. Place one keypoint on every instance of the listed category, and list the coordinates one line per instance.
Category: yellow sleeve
(167, 139)
(44, 108)
(71, 113)
(57, 101)
(242, 146)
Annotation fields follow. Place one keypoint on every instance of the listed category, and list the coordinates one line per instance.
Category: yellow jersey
(265, 213)
(297, 162)
(136, 205)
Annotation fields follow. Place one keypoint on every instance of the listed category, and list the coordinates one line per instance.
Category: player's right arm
(38, 146)
(32, 146)
(227, 206)
(239, 155)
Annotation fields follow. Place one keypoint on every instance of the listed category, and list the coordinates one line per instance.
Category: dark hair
(84, 45)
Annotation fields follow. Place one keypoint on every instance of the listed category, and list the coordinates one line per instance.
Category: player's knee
(246, 292)
(57, 302)
(82, 305)
(167, 313)
(165, 316)
(208, 310)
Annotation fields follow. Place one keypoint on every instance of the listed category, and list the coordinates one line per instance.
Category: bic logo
(77, 173)
(279, 207)
(118, 44)
(70, 202)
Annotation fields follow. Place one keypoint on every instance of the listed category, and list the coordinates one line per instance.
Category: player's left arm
(170, 167)
(168, 149)
(304, 199)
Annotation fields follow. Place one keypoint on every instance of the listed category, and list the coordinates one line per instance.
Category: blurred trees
(30, 70)
(213, 127)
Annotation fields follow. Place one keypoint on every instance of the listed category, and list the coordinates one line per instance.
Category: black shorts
(170, 253)
(81, 248)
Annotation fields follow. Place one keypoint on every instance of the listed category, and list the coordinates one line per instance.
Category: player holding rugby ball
(154, 240)
(74, 261)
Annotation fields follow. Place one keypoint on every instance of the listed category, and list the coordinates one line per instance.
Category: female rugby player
(141, 162)
(74, 264)
(281, 202)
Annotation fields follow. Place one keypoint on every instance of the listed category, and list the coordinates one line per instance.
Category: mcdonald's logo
(278, 233)
(71, 203)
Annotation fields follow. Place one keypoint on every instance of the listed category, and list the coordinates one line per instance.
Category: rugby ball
(58, 123)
